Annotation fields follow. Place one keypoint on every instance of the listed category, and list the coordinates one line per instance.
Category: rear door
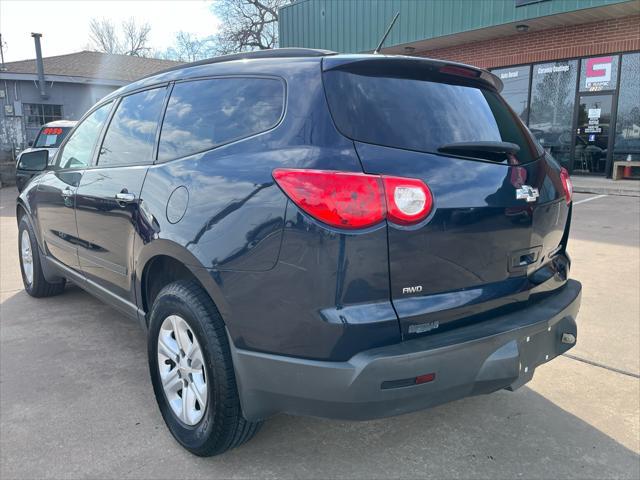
(108, 204)
(55, 197)
(499, 208)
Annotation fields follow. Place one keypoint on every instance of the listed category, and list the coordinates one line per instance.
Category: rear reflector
(355, 200)
(408, 382)
(567, 185)
(429, 377)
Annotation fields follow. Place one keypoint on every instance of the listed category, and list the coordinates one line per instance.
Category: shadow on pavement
(8, 197)
(76, 402)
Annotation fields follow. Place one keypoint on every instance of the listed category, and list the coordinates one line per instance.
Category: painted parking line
(601, 365)
(589, 199)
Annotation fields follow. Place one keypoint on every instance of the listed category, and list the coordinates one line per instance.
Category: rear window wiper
(489, 150)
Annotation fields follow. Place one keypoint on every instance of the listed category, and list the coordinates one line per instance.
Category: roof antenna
(386, 34)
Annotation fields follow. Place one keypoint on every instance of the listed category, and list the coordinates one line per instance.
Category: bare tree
(131, 40)
(247, 24)
(189, 48)
(135, 38)
(103, 37)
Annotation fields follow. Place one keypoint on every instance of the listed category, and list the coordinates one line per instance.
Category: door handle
(125, 197)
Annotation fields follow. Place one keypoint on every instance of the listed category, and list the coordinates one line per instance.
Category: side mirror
(30, 143)
(34, 161)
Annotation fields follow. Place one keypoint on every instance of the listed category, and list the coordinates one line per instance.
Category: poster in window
(598, 73)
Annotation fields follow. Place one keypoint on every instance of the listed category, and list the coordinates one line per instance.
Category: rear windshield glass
(51, 137)
(422, 115)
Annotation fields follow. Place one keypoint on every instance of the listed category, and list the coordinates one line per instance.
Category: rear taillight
(355, 200)
(409, 200)
(339, 199)
(567, 185)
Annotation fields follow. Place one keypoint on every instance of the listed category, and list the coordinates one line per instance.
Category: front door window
(77, 152)
(592, 134)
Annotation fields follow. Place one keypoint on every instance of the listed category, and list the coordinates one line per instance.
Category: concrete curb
(608, 190)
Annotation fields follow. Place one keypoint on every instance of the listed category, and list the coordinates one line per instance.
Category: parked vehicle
(49, 137)
(342, 236)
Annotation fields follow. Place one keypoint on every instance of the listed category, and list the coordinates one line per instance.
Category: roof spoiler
(394, 63)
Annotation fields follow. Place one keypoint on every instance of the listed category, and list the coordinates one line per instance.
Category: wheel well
(20, 212)
(159, 272)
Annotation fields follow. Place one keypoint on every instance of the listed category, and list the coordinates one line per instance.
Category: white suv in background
(49, 137)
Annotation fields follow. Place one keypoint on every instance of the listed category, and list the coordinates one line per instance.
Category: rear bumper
(495, 354)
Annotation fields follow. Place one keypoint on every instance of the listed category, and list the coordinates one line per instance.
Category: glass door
(591, 152)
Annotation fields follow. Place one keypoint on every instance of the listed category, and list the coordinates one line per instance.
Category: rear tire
(33, 278)
(184, 319)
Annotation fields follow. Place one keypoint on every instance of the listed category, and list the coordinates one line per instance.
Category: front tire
(192, 372)
(33, 278)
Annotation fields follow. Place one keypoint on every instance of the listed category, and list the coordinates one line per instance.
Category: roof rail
(271, 53)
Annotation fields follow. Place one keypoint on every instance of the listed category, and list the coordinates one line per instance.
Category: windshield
(51, 137)
(417, 114)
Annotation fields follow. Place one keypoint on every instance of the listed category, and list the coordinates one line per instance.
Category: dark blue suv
(343, 236)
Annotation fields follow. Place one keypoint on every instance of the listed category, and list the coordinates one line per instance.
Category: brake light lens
(355, 200)
(567, 185)
(459, 71)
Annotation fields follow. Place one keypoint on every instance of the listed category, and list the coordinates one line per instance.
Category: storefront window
(553, 92)
(598, 73)
(627, 139)
(516, 88)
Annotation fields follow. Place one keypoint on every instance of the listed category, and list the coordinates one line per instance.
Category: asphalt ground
(76, 400)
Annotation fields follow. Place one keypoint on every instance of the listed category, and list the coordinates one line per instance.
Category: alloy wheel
(26, 256)
(182, 371)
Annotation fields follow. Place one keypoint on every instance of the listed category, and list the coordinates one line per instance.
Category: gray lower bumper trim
(481, 358)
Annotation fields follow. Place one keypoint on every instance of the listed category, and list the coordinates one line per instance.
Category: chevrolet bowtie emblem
(525, 192)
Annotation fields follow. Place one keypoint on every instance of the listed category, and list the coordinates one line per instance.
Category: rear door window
(203, 114)
(415, 113)
(131, 134)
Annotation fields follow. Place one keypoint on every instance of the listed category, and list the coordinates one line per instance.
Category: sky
(64, 24)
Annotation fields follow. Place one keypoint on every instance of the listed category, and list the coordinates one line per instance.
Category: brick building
(570, 68)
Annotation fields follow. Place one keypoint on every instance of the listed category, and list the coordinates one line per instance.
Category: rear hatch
(496, 230)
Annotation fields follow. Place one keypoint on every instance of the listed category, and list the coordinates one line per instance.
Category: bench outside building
(623, 169)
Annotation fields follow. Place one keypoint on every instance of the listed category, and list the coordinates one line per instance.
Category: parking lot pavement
(76, 401)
